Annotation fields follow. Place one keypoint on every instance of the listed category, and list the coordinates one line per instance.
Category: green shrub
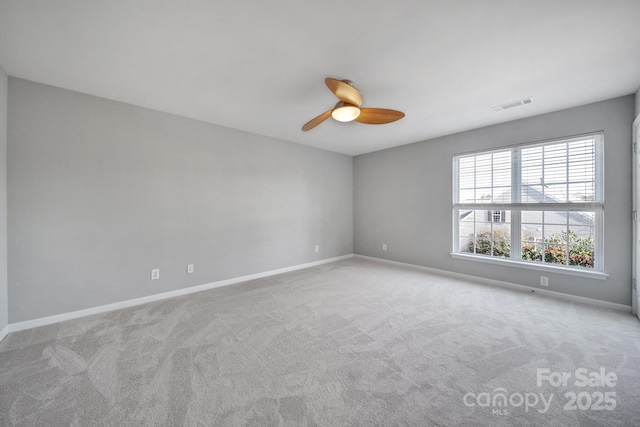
(531, 251)
(581, 251)
(501, 243)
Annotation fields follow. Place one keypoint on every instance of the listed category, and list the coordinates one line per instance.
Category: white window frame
(516, 206)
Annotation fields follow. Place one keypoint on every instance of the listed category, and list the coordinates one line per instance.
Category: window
(497, 216)
(538, 203)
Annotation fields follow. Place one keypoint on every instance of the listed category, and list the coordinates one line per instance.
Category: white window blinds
(564, 173)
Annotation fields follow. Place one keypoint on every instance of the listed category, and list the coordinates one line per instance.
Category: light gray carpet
(353, 343)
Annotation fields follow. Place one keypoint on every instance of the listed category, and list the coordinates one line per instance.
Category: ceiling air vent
(513, 104)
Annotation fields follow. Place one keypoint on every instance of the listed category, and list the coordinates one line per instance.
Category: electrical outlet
(189, 268)
(384, 246)
(317, 248)
(544, 281)
(155, 274)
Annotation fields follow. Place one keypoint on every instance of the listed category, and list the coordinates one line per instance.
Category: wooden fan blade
(344, 91)
(378, 116)
(317, 120)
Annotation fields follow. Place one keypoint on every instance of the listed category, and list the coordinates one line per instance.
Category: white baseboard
(43, 321)
(559, 295)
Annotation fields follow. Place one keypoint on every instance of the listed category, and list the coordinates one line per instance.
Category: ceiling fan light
(346, 113)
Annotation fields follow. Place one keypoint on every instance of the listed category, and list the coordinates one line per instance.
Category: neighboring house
(582, 223)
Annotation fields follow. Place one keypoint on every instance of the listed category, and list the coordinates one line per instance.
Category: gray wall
(101, 192)
(403, 197)
(638, 103)
(4, 303)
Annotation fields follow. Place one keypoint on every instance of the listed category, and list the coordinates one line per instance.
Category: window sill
(532, 266)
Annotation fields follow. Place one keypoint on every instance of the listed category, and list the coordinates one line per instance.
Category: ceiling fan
(348, 108)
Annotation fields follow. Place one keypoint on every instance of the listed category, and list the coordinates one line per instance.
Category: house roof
(536, 196)
(259, 65)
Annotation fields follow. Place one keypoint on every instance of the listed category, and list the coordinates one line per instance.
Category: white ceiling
(260, 65)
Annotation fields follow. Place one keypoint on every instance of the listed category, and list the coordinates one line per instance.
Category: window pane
(532, 232)
(555, 193)
(555, 233)
(581, 192)
(488, 174)
(502, 240)
(532, 251)
(555, 254)
(582, 160)
(502, 231)
(483, 195)
(485, 232)
(466, 245)
(555, 217)
(483, 170)
(484, 241)
(465, 227)
(547, 169)
(532, 193)
(581, 233)
(502, 248)
(548, 241)
(582, 240)
(502, 169)
(534, 217)
(582, 218)
(501, 195)
(555, 171)
(481, 218)
(531, 174)
(582, 256)
(466, 196)
(554, 159)
(466, 172)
